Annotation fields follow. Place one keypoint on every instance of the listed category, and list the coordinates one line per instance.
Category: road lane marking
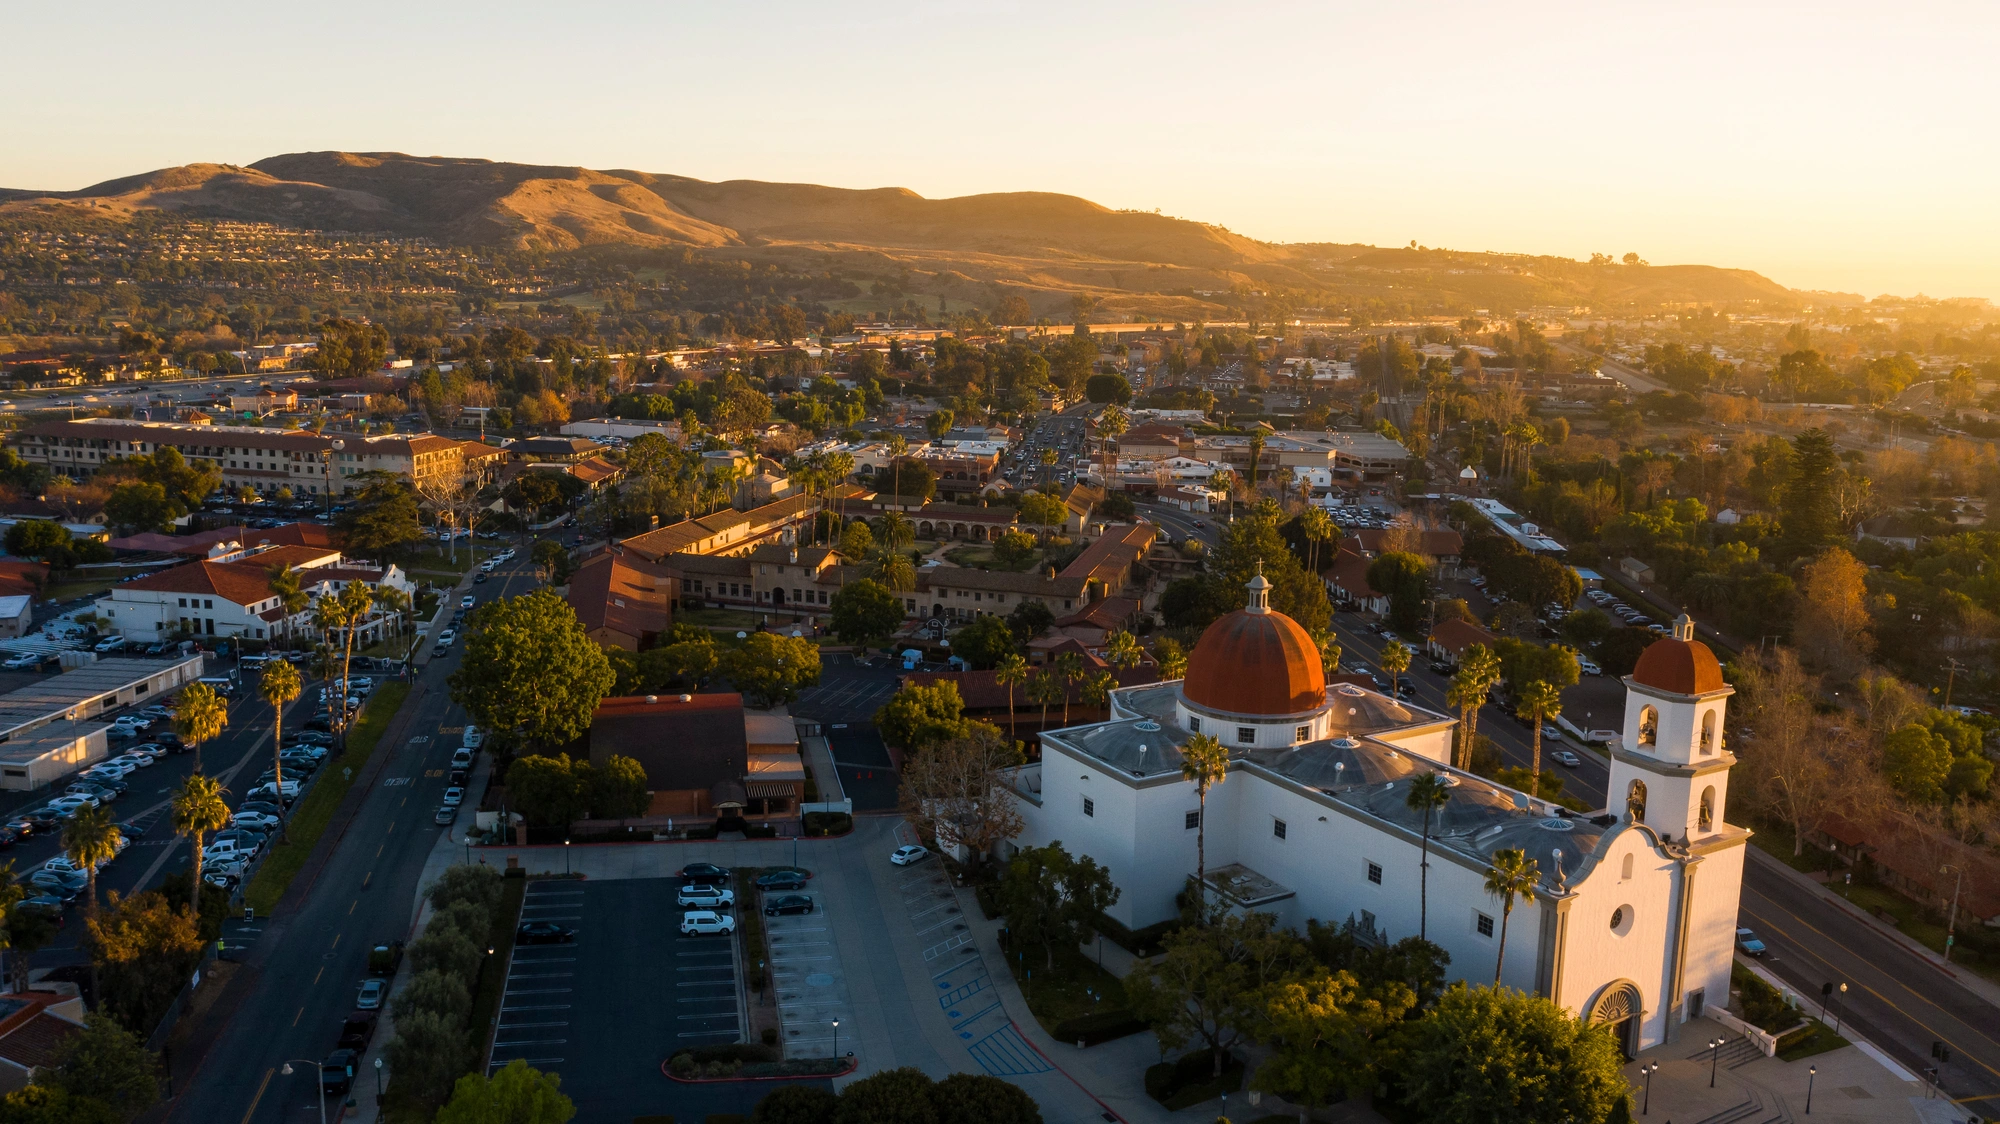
(318, 974)
(365, 878)
(351, 905)
(297, 1017)
(252, 1110)
(378, 850)
(336, 941)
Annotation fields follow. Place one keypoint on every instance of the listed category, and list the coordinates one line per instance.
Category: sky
(1831, 145)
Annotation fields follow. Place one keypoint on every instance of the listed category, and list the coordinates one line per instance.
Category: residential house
(1449, 640)
(622, 600)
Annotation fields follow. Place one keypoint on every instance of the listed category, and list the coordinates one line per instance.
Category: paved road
(1896, 999)
(307, 962)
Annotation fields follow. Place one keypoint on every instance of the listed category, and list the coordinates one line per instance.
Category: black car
(263, 806)
(130, 830)
(336, 1073)
(39, 822)
(788, 903)
(173, 742)
(1439, 667)
(9, 837)
(704, 874)
(320, 722)
(358, 1031)
(479, 578)
(542, 932)
(782, 880)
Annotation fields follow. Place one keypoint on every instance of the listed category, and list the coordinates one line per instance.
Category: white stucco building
(1633, 919)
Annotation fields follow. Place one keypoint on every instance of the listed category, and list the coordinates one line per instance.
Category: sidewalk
(1853, 1084)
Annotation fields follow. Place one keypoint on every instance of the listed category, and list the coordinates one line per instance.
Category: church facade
(1631, 923)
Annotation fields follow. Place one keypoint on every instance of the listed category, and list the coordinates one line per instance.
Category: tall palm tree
(396, 603)
(1540, 701)
(1427, 794)
(1396, 661)
(897, 446)
(1171, 657)
(1512, 875)
(1012, 672)
(1110, 424)
(200, 717)
(1049, 459)
(291, 598)
(1070, 667)
(279, 685)
(1122, 650)
(1097, 689)
(1317, 526)
(198, 809)
(357, 601)
(1256, 454)
(897, 531)
(1478, 670)
(90, 840)
(1045, 689)
(1204, 763)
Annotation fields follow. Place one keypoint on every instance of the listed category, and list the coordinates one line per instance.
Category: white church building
(1632, 922)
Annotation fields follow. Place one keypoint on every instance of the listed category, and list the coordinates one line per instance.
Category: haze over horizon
(1824, 147)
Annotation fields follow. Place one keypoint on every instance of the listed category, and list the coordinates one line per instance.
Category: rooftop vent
(1557, 823)
(1346, 743)
(1148, 726)
(1351, 691)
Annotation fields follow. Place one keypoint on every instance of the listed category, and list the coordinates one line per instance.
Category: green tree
(618, 789)
(978, 1098)
(138, 507)
(1329, 1035)
(1512, 874)
(1395, 660)
(1204, 764)
(279, 685)
(1029, 620)
(1010, 673)
(919, 716)
(893, 1096)
(550, 791)
(796, 1104)
(985, 642)
(107, 1063)
(44, 540)
(350, 348)
(1917, 763)
(1053, 898)
(1122, 650)
(384, 520)
(1171, 657)
(857, 541)
(1015, 549)
(1406, 579)
(90, 840)
(45, 1104)
(1810, 512)
(517, 1093)
(529, 668)
(200, 718)
(1212, 983)
(955, 793)
(1108, 388)
(939, 423)
(1253, 541)
(143, 951)
(1540, 701)
(428, 1053)
(1426, 795)
(864, 612)
(1477, 671)
(771, 668)
(1038, 510)
(1489, 1055)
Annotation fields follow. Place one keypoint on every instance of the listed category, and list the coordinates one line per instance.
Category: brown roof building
(34, 1026)
(622, 600)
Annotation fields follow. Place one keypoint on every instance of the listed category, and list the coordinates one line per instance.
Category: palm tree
(1012, 672)
(1048, 462)
(1122, 650)
(291, 598)
(1203, 763)
(1097, 689)
(1171, 657)
(279, 685)
(1256, 454)
(396, 603)
(1396, 661)
(1478, 670)
(1045, 689)
(198, 809)
(200, 717)
(356, 600)
(1540, 701)
(1069, 666)
(1317, 527)
(1330, 651)
(91, 840)
(897, 531)
(1512, 874)
(1428, 793)
(1110, 424)
(896, 447)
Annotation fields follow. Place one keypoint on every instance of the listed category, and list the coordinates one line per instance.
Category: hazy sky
(1831, 145)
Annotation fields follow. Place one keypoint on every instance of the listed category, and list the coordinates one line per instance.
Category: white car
(19, 663)
(714, 897)
(448, 637)
(288, 790)
(467, 601)
(68, 803)
(454, 796)
(474, 738)
(133, 722)
(253, 819)
(904, 856)
(706, 921)
(115, 769)
(135, 759)
(1588, 667)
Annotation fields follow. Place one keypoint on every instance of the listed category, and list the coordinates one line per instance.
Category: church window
(1483, 924)
(1303, 733)
(1089, 807)
(1706, 821)
(1649, 726)
(1194, 725)
(1621, 920)
(1193, 820)
(1375, 873)
(1277, 829)
(1708, 733)
(1246, 735)
(1617, 917)
(1635, 801)
(1626, 870)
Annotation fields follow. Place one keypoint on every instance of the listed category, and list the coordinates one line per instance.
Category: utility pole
(1951, 669)
(1951, 922)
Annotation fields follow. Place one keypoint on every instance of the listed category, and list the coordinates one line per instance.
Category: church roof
(1679, 663)
(1255, 661)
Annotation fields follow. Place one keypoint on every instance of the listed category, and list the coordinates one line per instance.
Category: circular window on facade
(1621, 920)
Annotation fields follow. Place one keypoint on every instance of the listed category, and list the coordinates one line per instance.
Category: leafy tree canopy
(529, 667)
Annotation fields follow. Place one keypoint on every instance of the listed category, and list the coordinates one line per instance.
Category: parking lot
(808, 981)
(605, 1008)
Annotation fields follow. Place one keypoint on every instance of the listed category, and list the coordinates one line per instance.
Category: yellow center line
(403, 801)
(336, 941)
(297, 1017)
(392, 826)
(366, 877)
(351, 905)
(378, 850)
(318, 974)
(248, 1112)
(1943, 1036)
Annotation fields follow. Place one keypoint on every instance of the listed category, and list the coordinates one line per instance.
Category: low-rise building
(623, 601)
(53, 727)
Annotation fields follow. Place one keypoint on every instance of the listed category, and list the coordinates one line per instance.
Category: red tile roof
(245, 583)
(620, 593)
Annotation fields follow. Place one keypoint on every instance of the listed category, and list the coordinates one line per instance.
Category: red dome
(1253, 662)
(1684, 667)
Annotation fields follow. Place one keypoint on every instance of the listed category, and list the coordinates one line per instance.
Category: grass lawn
(310, 817)
(1065, 992)
(64, 591)
(718, 618)
(1817, 1040)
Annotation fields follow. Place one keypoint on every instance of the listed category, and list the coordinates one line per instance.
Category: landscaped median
(312, 814)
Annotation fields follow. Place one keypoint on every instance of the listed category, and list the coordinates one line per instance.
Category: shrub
(475, 883)
(1187, 1081)
(429, 1053)
(434, 991)
(828, 823)
(447, 950)
(796, 1104)
(976, 1098)
(1098, 1026)
(893, 1096)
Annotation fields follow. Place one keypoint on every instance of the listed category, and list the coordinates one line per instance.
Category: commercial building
(54, 727)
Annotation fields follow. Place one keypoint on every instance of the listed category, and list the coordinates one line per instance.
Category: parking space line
(532, 1042)
(528, 1026)
(541, 976)
(989, 1009)
(542, 991)
(540, 1007)
(546, 960)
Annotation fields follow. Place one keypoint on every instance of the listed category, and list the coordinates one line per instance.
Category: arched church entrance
(1619, 1008)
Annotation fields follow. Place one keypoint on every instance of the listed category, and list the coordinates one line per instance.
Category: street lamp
(1646, 1105)
(566, 869)
(1812, 1074)
(378, 1081)
(1714, 1045)
(836, 1041)
(1840, 991)
(287, 1071)
(1951, 923)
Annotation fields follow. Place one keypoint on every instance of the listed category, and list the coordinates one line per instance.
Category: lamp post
(378, 1081)
(1840, 991)
(566, 869)
(1812, 1074)
(287, 1071)
(1951, 922)
(1646, 1105)
(1714, 1045)
(836, 1041)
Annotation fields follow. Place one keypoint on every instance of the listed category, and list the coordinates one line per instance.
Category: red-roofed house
(34, 1025)
(1347, 580)
(1450, 639)
(623, 600)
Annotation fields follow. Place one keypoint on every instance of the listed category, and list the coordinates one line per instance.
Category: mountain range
(970, 246)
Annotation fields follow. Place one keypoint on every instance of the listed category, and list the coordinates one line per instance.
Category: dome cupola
(1255, 662)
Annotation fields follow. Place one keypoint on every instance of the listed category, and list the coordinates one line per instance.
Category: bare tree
(953, 792)
(1798, 763)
